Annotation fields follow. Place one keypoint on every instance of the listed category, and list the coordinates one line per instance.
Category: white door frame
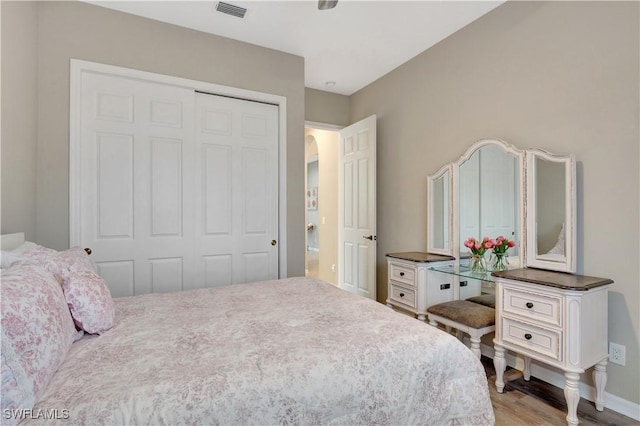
(79, 66)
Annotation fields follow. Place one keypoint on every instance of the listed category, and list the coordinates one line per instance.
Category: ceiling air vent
(230, 9)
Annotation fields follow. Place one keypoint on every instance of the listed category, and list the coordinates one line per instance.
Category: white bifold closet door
(178, 189)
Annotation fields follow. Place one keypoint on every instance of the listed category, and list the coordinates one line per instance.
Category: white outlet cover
(617, 354)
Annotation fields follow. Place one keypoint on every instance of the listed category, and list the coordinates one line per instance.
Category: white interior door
(137, 182)
(357, 239)
(237, 207)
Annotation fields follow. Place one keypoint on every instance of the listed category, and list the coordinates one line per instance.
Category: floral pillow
(37, 332)
(86, 292)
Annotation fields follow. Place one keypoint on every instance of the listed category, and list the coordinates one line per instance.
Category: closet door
(178, 190)
(236, 143)
(137, 183)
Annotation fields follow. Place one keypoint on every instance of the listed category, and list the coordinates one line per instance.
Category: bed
(290, 351)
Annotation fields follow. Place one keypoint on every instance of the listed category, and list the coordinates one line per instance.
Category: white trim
(322, 126)
(77, 67)
(612, 402)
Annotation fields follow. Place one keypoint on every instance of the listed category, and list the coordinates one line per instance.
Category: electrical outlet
(617, 353)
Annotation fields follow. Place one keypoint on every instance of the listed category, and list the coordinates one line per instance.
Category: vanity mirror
(440, 211)
(488, 189)
(551, 209)
(483, 195)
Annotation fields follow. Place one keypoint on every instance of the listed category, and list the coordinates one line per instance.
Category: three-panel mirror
(483, 195)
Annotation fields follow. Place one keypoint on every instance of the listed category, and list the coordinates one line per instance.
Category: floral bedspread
(292, 351)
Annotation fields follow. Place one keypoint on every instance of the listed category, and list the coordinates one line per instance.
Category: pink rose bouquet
(500, 245)
(478, 247)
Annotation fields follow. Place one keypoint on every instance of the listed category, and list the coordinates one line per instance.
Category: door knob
(370, 237)
(274, 242)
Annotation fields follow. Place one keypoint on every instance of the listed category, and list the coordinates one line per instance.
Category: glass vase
(478, 263)
(499, 262)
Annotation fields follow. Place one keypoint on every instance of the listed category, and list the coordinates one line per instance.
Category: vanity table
(543, 311)
(555, 318)
(413, 285)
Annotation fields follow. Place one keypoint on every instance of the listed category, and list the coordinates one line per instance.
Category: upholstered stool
(486, 300)
(472, 318)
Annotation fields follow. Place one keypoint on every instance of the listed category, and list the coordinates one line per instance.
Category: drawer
(543, 341)
(402, 273)
(402, 295)
(538, 307)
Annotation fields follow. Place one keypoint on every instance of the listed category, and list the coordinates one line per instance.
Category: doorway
(345, 202)
(313, 246)
(321, 203)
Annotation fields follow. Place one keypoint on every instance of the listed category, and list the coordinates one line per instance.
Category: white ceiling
(352, 45)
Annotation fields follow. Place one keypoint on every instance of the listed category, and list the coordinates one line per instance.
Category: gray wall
(562, 76)
(326, 107)
(19, 117)
(68, 30)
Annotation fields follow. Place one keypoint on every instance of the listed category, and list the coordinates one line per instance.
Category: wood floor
(539, 403)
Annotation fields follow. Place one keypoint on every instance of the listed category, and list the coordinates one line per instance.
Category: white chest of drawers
(558, 319)
(413, 286)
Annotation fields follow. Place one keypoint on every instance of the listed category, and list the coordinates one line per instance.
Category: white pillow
(9, 257)
(559, 247)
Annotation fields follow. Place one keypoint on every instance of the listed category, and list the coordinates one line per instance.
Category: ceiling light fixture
(327, 4)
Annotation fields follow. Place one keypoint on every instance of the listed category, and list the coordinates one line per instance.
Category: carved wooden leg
(433, 322)
(600, 379)
(526, 373)
(389, 305)
(500, 364)
(475, 346)
(422, 317)
(572, 395)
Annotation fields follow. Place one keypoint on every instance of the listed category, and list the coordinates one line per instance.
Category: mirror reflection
(550, 209)
(440, 215)
(489, 197)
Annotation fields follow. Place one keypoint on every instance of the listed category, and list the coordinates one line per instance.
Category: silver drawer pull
(529, 305)
(528, 336)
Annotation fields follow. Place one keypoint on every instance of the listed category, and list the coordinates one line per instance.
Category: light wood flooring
(539, 403)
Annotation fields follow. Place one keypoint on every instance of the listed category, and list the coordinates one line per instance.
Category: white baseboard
(612, 402)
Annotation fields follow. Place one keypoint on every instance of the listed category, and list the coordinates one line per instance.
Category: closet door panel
(137, 183)
(237, 214)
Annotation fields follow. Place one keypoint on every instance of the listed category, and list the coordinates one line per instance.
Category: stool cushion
(486, 300)
(471, 314)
